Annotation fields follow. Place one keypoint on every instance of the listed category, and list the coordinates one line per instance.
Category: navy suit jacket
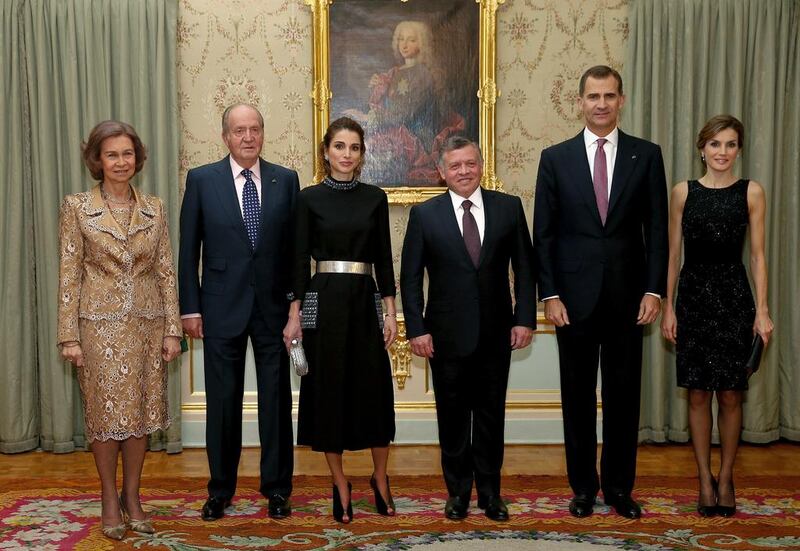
(234, 277)
(465, 302)
(577, 256)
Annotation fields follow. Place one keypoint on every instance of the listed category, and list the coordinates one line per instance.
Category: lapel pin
(633, 156)
(274, 181)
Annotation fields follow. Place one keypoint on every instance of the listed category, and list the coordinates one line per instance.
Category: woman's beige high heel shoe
(143, 526)
(114, 532)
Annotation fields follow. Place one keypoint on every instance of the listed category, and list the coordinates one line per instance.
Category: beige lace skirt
(123, 381)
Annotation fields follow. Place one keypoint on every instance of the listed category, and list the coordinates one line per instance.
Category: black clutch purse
(755, 355)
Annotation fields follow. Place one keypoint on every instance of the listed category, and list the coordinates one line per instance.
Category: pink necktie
(600, 180)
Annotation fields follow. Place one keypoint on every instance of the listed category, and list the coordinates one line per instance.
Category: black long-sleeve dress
(346, 399)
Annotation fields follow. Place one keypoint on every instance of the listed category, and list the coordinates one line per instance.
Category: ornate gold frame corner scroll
(487, 96)
(400, 354)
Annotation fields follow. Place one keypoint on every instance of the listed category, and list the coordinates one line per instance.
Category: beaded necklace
(341, 186)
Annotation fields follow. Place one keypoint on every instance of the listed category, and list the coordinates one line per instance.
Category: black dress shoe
(214, 508)
(624, 505)
(279, 507)
(494, 508)
(456, 508)
(581, 505)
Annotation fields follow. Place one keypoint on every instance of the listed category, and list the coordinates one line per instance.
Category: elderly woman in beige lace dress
(118, 317)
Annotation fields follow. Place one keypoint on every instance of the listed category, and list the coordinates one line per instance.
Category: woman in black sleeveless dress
(347, 397)
(715, 317)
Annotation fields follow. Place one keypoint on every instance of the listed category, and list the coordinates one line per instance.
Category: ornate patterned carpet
(56, 514)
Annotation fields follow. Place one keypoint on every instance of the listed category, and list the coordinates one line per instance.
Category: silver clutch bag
(297, 357)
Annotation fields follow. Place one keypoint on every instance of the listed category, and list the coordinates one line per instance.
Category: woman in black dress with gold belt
(347, 398)
(715, 317)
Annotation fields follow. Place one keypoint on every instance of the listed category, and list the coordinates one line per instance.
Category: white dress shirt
(476, 209)
(609, 148)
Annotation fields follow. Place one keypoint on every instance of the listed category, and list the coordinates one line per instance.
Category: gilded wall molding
(488, 92)
(400, 355)
(321, 92)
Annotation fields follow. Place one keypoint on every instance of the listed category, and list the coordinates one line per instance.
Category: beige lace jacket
(106, 273)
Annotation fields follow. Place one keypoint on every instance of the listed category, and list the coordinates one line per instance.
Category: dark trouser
(470, 409)
(224, 376)
(615, 342)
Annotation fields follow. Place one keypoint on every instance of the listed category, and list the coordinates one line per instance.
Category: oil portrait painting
(408, 72)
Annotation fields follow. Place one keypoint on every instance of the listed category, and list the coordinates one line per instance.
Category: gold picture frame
(487, 94)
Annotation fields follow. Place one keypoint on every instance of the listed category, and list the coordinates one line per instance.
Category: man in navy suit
(236, 217)
(466, 239)
(600, 236)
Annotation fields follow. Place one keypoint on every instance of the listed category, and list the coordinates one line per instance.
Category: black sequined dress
(715, 308)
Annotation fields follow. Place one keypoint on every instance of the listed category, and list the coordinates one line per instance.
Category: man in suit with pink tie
(600, 239)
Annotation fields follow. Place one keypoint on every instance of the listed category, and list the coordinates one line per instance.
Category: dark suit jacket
(576, 254)
(464, 302)
(234, 276)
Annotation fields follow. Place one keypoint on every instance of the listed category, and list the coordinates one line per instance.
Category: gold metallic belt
(343, 267)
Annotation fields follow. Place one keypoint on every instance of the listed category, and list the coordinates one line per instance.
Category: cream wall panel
(261, 52)
(256, 52)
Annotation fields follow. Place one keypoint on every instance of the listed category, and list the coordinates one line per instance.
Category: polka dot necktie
(252, 210)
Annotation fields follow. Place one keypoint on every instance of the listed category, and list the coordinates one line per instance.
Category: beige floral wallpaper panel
(242, 51)
(261, 53)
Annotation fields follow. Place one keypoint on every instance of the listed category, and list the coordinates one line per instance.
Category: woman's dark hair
(717, 124)
(110, 129)
(342, 123)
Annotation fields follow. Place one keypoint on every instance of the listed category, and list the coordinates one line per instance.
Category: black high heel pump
(338, 509)
(709, 510)
(727, 510)
(384, 508)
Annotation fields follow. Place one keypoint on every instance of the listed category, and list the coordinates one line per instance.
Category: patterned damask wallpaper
(543, 47)
(260, 52)
(256, 52)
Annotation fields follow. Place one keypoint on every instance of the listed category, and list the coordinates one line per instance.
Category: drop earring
(703, 157)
